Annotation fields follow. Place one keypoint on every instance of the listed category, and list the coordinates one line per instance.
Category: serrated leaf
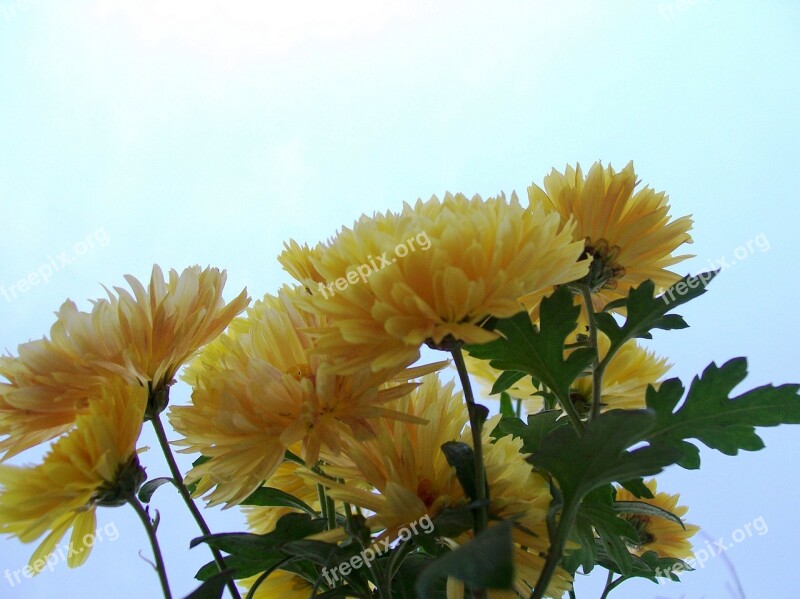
(484, 562)
(650, 566)
(712, 417)
(147, 489)
(539, 353)
(645, 311)
(272, 497)
(598, 521)
(600, 456)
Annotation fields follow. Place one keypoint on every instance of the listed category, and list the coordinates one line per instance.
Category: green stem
(598, 367)
(323, 501)
(264, 575)
(571, 412)
(476, 425)
(177, 479)
(610, 586)
(556, 550)
(518, 409)
(151, 534)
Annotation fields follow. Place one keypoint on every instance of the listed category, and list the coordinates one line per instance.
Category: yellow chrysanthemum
(630, 235)
(94, 464)
(410, 477)
(280, 583)
(142, 337)
(435, 271)
(662, 535)
(261, 388)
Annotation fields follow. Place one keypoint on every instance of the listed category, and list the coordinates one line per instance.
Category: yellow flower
(434, 272)
(630, 235)
(142, 337)
(261, 388)
(411, 478)
(95, 464)
(662, 535)
(280, 583)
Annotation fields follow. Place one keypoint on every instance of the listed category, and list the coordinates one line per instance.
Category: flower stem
(476, 425)
(598, 367)
(177, 478)
(571, 412)
(151, 534)
(556, 550)
(610, 586)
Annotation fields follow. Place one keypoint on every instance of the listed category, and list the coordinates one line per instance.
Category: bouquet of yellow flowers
(362, 472)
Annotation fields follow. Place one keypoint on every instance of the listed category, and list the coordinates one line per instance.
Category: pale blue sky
(209, 132)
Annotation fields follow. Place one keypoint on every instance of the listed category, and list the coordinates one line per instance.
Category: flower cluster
(309, 408)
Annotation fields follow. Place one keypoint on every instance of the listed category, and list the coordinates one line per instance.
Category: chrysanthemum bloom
(95, 464)
(410, 477)
(280, 583)
(260, 388)
(625, 380)
(630, 235)
(142, 337)
(435, 271)
(662, 535)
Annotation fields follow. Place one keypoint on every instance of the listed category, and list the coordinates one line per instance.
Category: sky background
(205, 132)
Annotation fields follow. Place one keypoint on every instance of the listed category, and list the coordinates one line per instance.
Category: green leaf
(271, 497)
(598, 521)
(645, 311)
(637, 487)
(600, 456)
(646, 509)
(483, 562)
(539, 425)
(317, 552)
(146, 491)
(712, 417)
(213, 587)
(539, 353)
(461, 457)
(649, 566)
(506, 380)
(506, 407)
(405, 579)
(251, 554)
